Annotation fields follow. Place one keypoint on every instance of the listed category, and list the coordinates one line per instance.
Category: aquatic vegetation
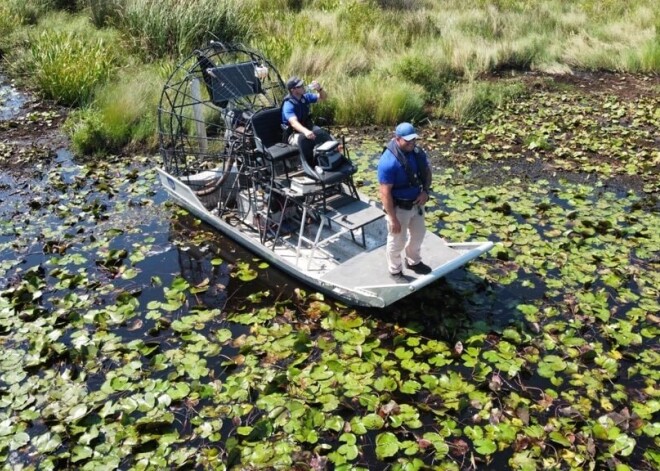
(135, 337)
(130, 349)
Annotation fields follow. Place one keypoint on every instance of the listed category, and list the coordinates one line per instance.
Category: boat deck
(370, 268)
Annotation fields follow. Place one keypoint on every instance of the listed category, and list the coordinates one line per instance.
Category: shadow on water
(200, 250)
(452, 308)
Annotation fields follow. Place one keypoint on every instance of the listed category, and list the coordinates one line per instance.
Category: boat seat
(331, 181)
(267, 130)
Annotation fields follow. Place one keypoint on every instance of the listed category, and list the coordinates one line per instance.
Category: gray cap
(294, 82)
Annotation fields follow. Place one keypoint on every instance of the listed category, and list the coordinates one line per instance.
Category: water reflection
(11, 99)
(201, 248)
(448, 309)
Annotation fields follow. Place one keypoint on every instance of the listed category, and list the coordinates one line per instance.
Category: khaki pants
(321, 136)
(409, 239)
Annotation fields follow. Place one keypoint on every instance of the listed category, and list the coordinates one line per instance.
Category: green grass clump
(123, 115)
(476, 100)
(105, 12)
(86, 130)
(67, 67)
(65, 59)
(369, 100)
(521, 54)
(9, 21)
(431, 71)
(400, 102)
(649, 57)
(352, 17)
(28, 12)
(158, 28)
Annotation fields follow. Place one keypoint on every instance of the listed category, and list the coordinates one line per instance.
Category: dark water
(11, 100)
(179, 246)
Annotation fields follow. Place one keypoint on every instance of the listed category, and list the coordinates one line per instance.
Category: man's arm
(320, 91)
(297, 125)
(428, 177)
(387, 200)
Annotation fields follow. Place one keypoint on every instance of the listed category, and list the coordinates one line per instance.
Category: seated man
(296, 116)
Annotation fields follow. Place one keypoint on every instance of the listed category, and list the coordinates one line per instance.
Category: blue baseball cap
(405, 131)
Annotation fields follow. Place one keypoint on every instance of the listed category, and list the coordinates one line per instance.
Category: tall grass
(430, 68)
(437, 46)
(105, 12)
(473, 100)
(8, 24)
(357, 103)
(67, 68)
(328, 63)
(608, 46)
(66, 60)
(27, 12)
(158, 28)
(122, 116)
(381, 60)
(647, 60)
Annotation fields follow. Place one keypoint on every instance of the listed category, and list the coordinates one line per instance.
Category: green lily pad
(387, 445)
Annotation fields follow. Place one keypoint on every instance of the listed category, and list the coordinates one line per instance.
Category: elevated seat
(331, 181)
(348, 213)
(267, 130)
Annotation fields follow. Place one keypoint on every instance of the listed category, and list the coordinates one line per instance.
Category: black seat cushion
(334, 176)
(281, 151)
(267, 125)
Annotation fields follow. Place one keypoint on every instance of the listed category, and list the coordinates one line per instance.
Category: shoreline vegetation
(385, 61)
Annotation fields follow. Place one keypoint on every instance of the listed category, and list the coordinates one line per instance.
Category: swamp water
(134, 337)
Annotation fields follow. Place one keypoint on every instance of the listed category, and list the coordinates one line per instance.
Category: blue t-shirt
(391, 172)
(298, 108)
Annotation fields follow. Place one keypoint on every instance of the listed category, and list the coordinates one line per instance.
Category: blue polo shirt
(391, 172)
(298, 108)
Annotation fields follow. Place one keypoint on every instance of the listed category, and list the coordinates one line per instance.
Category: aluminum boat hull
(355, 277)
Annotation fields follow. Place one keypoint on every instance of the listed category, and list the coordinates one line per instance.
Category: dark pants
(307, 145)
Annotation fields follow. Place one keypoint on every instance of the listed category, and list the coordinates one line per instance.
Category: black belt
(404, 204)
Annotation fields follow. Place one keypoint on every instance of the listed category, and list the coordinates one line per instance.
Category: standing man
(404, 176)
(296, 116)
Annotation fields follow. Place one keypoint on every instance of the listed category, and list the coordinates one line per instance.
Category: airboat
(224, 160)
